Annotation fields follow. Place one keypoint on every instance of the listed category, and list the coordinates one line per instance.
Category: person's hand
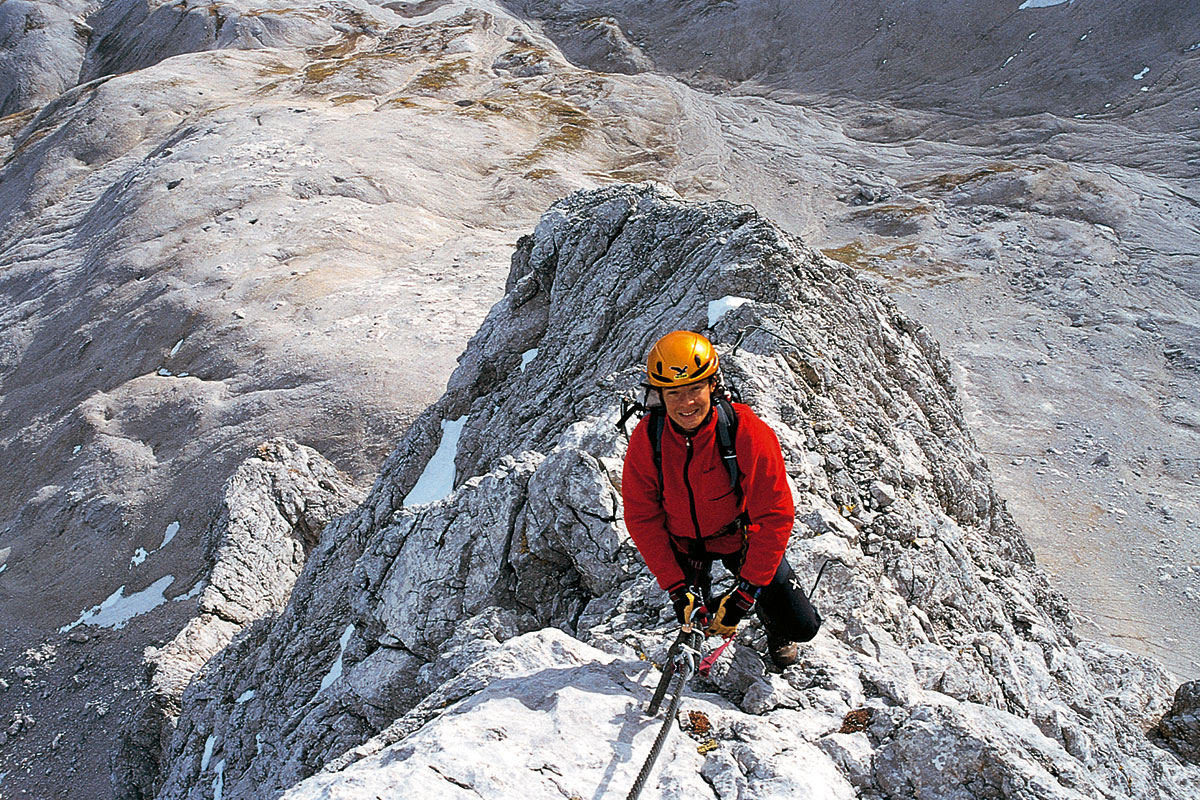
(732, 609)
(683, 601)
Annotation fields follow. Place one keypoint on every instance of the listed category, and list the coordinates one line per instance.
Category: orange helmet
(680, 358)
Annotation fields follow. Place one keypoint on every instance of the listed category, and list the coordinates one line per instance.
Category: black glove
(683, 601)
(732, 609)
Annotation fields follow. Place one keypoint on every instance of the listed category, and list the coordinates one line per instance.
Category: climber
(704, 480)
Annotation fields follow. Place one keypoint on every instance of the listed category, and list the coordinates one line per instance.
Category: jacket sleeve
(644, 515)
(767, 496)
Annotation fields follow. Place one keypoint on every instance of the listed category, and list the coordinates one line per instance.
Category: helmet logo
(680, 372)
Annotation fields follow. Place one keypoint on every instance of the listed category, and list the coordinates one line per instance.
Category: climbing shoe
(783, 653)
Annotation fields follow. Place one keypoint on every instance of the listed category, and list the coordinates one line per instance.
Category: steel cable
(684, 665)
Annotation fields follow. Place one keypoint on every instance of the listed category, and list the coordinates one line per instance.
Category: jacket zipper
(687, 462)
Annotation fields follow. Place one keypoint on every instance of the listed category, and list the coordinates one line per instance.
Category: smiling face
(688, 406)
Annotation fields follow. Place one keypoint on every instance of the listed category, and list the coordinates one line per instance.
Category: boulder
(1180, 726)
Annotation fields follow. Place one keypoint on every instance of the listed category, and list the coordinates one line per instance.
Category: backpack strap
(658, 421)
(628, 409)
(727, 424)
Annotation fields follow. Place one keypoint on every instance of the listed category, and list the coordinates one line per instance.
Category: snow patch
(117, 610)
(193, 592)
(208, 748)
(175, 349)
(244, 696)
(258, 745)
(719, 308)
(164, 372)
(1196, 46)
(1141, 74)
(1040, 4)
(172, 529)
(437, 480)
(526, 357)
(76, 449)
(335, 671)
(141, 554)
(3, 567)
(219, 781)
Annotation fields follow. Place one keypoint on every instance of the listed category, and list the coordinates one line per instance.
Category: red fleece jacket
(699, 502)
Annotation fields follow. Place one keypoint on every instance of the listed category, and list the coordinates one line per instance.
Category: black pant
(782, 604)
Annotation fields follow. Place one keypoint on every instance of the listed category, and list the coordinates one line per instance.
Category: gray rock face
(48, 48)
(226, 246)
(41, 47)
(274, 507)
(1181, 725)
(947, 666)
(203, 253)
(133, 34)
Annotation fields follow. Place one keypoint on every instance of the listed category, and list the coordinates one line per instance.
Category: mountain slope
(972, 60)
(401, 638)
(223, 223)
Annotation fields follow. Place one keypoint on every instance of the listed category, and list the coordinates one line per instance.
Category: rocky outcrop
(1180, 726)
(133, 34)
(1000, 61)
(947, 666)
(203, 254)
(274, 507)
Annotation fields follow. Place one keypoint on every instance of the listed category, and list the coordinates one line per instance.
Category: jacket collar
(708, 422)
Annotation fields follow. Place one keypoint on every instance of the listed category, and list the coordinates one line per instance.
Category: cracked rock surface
(223, 223)
(440, 647)
(275, 506)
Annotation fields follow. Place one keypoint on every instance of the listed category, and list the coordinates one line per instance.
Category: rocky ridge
(274, 215)
(947, 666)
(275, 506)
(221, 246)
(975, 59)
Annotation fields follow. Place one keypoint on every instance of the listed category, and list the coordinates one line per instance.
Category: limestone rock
(883, 494)
(202, 253)
(440, 644)
(41, 49)
(274, 508)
